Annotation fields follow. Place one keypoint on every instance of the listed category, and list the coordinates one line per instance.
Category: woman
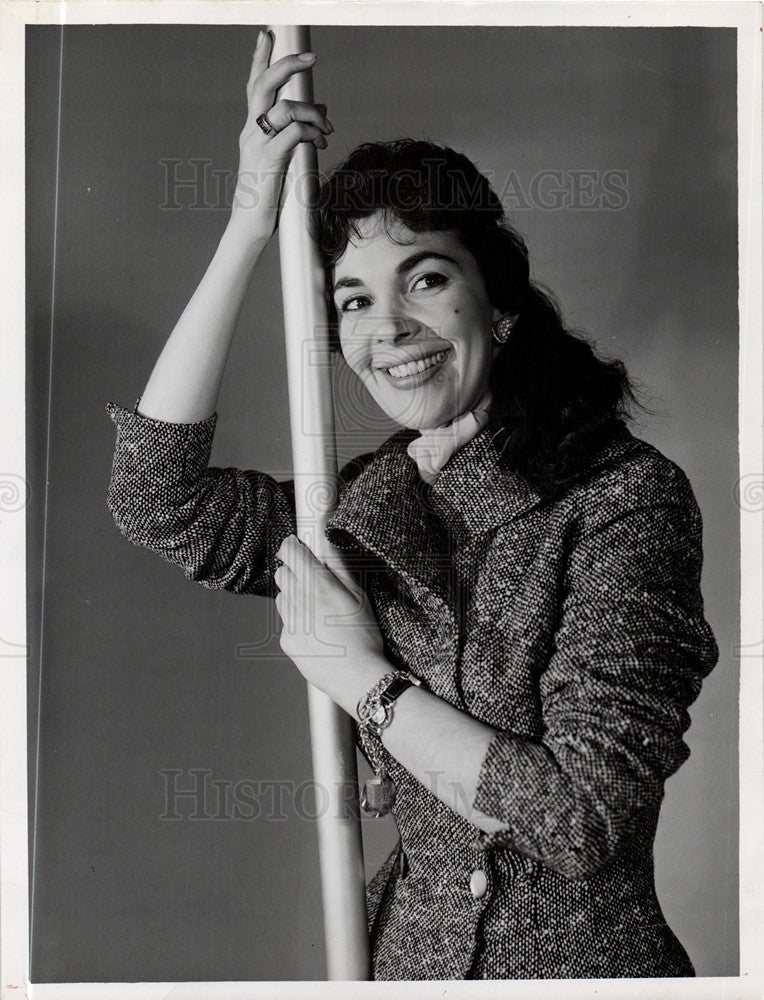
(530, 632)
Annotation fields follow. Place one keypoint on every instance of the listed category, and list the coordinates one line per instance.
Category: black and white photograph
(381, 499)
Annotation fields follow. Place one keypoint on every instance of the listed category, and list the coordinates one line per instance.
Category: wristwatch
(375, 710)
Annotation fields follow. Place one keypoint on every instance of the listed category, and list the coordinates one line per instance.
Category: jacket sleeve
(221, 526)
(628, 658)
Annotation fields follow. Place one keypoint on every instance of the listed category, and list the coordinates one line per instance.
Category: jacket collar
(386, 511)
(389, 511)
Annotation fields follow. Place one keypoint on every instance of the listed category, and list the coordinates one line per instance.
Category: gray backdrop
(144, 673)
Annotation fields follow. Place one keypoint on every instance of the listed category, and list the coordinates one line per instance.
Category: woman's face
(414, 322)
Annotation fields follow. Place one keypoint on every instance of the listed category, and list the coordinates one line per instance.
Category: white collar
(435, 447)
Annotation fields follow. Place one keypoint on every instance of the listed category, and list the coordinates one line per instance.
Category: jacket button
(478, 883)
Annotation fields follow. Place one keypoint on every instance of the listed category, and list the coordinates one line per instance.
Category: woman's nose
(394, 327)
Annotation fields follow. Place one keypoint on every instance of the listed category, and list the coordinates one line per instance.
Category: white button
(478, 883)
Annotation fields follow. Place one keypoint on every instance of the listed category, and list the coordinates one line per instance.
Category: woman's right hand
(263, 159)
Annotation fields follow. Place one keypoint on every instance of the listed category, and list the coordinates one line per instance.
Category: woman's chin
(422, 425)
(422, 418)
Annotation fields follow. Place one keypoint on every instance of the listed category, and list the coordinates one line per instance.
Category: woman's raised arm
(184, 385)
(221, 526)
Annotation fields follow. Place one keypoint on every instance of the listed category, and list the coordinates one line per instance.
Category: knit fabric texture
(573, 627)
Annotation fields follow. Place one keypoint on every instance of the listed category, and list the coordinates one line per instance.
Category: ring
(265, 125)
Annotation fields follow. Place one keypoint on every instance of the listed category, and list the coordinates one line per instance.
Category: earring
(502, 328)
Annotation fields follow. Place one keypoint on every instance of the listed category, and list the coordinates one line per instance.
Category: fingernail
(329, 125)
(307, 56)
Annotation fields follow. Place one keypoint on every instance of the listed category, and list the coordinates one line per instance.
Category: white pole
(315, 474)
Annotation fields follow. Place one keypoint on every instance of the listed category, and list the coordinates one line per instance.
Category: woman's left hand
(330, 631)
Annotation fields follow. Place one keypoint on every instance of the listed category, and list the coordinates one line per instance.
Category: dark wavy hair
(555, 400)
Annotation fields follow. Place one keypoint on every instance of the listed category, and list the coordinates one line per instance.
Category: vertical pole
(315, 474)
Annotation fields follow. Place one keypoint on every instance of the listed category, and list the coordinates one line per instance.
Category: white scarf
(435, 447)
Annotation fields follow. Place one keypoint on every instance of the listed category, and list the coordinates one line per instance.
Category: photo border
(14, 862)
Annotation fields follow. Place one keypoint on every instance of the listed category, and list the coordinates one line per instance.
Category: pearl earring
(503, 327)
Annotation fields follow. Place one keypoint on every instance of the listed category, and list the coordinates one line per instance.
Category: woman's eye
(430, 280)
(354, 303)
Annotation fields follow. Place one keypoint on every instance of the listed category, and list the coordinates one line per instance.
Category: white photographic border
(746, 17)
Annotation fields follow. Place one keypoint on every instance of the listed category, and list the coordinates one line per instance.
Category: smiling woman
(525, 632)
(418, 338)
(430, 286)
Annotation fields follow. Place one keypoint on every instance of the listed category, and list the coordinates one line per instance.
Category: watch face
(379, 716)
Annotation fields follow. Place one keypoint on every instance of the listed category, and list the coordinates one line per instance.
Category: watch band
(375, 710)
(396, 687)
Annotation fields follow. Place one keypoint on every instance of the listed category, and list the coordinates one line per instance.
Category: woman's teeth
(401, 371)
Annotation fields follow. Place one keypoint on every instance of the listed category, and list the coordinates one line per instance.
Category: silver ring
(265, 125)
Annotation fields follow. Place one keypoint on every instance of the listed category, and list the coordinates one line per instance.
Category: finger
(260, 58)
(273, 78)
(306, 566)
(282, 607)
(284, 112)
(285, 579)
(322, 109)
(298, 555)
(298, 132)
(288, 613)
(291, 553)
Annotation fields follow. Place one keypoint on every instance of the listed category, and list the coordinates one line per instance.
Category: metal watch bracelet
(375, 710)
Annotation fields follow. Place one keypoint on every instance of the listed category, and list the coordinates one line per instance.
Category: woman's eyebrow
(417, 258)
(405, 265)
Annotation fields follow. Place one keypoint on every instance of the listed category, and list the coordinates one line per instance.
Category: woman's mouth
(410, 374)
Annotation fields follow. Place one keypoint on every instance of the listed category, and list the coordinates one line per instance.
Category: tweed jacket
(574, 628)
